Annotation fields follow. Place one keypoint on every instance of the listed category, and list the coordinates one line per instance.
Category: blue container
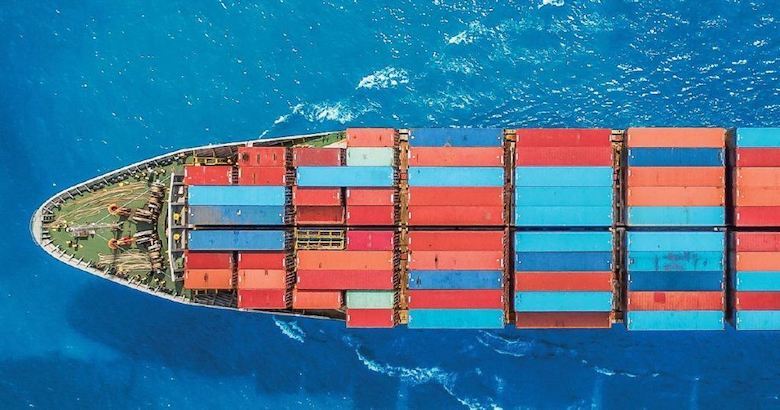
(676, 261)
(563, 261)
(456, 137)
(455, 279)
(235, 195)
(675, 320)
(676, 216)
(346, 176)
(563, 301)
(758, 281)
(758, 137)
(676, 157)
(563, 241)
(236, 215)
(456, 319)
(758, 320)
(564, 196)
(563, 176)
(690, 281)
(231, 240)
(456, 176)
(563, 216)
(676, 241)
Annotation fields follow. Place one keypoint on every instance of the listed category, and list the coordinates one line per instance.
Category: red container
(758, 300)
(207, 174)
(316, 196)
(758, 241)
(262, 176)
(370, 240)
(371, 318)
(261, 156)
(317, 157)
(345, 279)
(346, 260)
(456, 156)
(426, 196)
(563, 320)
(370, 215)
(563, 137)
(564, 156)
(262, 299)
(370, 196)
(563, 281)
(456, 215)
(370, 137)
(316, 299)
(757, 215)
(758, 157)
(456, 260)
(456, 241)
(675, 301)
(207, 260)
(261, 260)
(456, 299)
(319, 215)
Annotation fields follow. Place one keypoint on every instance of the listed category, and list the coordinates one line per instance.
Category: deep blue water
(87, 86)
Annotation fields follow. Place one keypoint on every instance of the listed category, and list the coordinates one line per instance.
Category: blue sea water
(87, 86)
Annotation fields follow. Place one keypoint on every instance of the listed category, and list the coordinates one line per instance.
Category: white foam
(387, 77)
(556, 3)
(290, 329)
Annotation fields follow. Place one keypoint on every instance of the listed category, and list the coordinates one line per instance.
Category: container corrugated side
(262, 260)
(563, 176)
(207, 175)
(245, 215)
(368, 299)
(758, 137)
(236, 195)
(563, 320)
(758, 261)
(695, 300)
(540, 301)
(208, 260)
(564, 281)
(564, 216)
(564, 196)
(757, 241)
(563, 261)
(455, 279)
(456, 176)
(675, 241)
(758, 281)
(230, 240)
(262, 279)
(455, 299)
(317, 299)
(270, 176)
(456, 196)
(316, 196)
(319, 215)
(675, 176)
(456, 260)
(369, 215)
(370, 318)
(456, 240)
(676, 137)
(347, 260)
(456, 156)
(757, 177)
(676, 196)
(564, 156)
(685, 261)
(307, 156)
(757, 157)
(563, 137)
(456, 137)
(699, 281)
(675, 320)
(456, 319)
(370, 240)
(563, 241)
(757, 300)
(262, 299)
(370, 137)
(208, 279)
(758, 320)
(345, 176)
(757, 215)
(261, 156)
(371, 196)
(342, 279)
(438, 215)
(676, 157)
(676, 215)
(370, 156)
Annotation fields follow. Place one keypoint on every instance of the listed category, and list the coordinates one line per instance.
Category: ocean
(88, 86)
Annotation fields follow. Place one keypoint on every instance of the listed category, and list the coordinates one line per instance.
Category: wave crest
(387, 77)
(290, 329)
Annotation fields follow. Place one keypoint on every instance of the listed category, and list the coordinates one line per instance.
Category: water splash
(290, 329)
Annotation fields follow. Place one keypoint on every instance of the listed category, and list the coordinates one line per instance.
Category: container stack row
(456, 177)
(757, 177)
(455, 280)
(371, 147)
(563, 178)
(757, 281)
(318, 205)
(675, 280)
(263, 280)
(262, 166)
(208, 270)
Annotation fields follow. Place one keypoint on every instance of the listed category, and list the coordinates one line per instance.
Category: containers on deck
(263, 280)
(207, 175)
(234, 240)
(676, 176)
(262, 165)
(757, 280)
(675, 280)
(563, 178)
(757, 177)
(208, 270)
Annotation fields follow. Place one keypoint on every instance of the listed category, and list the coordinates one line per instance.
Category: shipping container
(456, 176)
(316, 196)
(261, 156)
(312, 157)
(758, 281)
(456, 137)
(456, 319)
(676, 215)
(676, 137)
(757, 241)
(245, 215)
(262, 279)
(319, 215)
(348, 260)
(342, 279)
(346, 176)
(676, 196)
(563, 301)
(757, 195)
(203, 279)
(757, 177)
(456, 157)
(757, 215)
(564, 156)
(317, 299)
(208, 260)
(456, 240)
(370, 318)
(757, 300)
(456, 260)
(758, 261)
(262, 299)
(261, 260)
(564, 281)
(456, 279)
(699, 281)
(371, 137)
(676, 301)
(675, 241)
(563, 261)
(456, 299)
(676, 176)
(758, 320)
(563, 320)
(208, 175)
(438, 215)
(370, 240)
(675, 320)
(459, 196)
(358, 215)
(676, 157)
(370, 196)
(685, 261)
(236, 195)
(563, 241)
(563, 176)
(563, 216)
(232, 240)
(262, 176)
(758, 137)
(563, 137)
(595, 196)
(371, 156)
(370, 299)
(758, 157)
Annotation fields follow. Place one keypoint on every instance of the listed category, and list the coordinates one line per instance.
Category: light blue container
(456, 137)
(563, 241)
(597, 216)
(371, 156)
(676, 241)
(232, 240)
(675, 320)
(345, 176)
(563, 196)
(235, 195)
(456, 319)
(245, 215)
(563, 176)
(758, 281)
(563, 301)
(455, 279)
(758, 320)
(456, 176)
(758, 137)
(676, 157)
(676, 261)
(676, 216)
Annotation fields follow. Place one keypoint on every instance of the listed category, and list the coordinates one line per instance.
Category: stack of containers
(236, 205)
(456, 177)
(676, 176)
(563, 279)
(208, 270)
(318, 205)
(757, 182)
(370, 147)
(262, 166)
(563, 178)
(675, 280)
(263, 280)
(455, 279)
(757, 281)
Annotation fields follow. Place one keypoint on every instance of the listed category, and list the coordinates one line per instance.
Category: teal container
(235, 195)
(563, 242)
(758, 281)
(675, 261)
(676, 241)
(676, 215)
(456, 176)
(596, 216)
(675, 320)
(373, 156)
(563, 176)
(346, 176)
(563, 196)
(563, 301)
(758, 320)
(370, 299)
(456, 319)
(758, 137)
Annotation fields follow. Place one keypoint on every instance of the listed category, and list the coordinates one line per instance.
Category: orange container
(319, 215)
(676, 137)
(757, 241)
(675, 176)
(456, 156)
(757, 177)
(757, 196)
(262, 279)
(488, 196)
(262, 176)
(758, 261)
(676, 196)
(675, 301)
(208, 279)
(316, 196)
(370, 137)
(456, 215)
(370, 196)
(346, 260)
(456, 260)
(317, 299)
(456, 241)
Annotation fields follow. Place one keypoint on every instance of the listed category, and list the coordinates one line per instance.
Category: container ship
(447, 228)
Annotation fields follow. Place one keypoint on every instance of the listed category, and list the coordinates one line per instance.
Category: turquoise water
(88, 86)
